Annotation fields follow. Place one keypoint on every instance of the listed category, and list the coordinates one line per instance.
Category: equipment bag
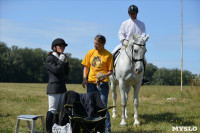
(61, 129)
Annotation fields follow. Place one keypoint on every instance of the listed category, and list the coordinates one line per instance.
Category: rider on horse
(129, 28)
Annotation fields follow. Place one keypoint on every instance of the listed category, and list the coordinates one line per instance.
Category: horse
(128, 71)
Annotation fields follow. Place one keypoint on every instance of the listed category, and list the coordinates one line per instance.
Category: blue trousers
(103, 90)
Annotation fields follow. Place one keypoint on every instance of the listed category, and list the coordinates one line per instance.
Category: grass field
(156, 113)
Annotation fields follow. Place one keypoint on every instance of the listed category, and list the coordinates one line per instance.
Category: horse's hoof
(123, 123)
(136, 124)
(114, 116)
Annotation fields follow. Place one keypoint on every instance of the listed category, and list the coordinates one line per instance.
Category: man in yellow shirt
(98, 60)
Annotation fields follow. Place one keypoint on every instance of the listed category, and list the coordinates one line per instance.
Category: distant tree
(160, 77)
(4, 62)
(187, 75)
(28, 65)
(39, 61)
(175, 77)
(150, 70)
(165, 76)
(76, 70)
(22, 65)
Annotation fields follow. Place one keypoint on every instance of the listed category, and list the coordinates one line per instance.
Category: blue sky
(36, 23)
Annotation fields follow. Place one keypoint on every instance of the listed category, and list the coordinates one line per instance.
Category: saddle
(115, 55)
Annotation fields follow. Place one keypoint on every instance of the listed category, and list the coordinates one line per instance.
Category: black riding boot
(144, 80)
(49, 121)
(56, 119)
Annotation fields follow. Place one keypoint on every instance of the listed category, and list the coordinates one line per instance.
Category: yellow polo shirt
(98, 61)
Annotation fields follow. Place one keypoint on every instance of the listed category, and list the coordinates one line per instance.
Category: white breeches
(55, 102)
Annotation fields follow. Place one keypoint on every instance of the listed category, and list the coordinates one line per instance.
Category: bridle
(132, 59)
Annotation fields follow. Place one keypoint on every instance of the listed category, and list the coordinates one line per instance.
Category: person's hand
(84, 83)
(125, 42)
(63, 58)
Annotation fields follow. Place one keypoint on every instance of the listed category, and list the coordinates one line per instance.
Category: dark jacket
(57, 71)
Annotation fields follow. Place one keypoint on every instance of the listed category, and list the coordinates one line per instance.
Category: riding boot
(144, 80)
(49, 121)
(56, 119)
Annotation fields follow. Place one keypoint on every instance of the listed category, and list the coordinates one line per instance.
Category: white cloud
(79, 34)
(163, 50)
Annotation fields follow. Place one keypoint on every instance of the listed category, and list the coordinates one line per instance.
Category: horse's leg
(122, 87)
(114, 98)
(126, 96)
(136, 104)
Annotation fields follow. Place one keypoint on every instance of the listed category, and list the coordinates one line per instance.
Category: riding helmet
(132, 9)
(58, 41)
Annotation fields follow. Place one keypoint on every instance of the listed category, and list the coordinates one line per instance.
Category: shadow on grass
(166, 117)
(139, 131)
(5, 115)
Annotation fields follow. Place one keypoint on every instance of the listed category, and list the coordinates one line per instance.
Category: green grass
(156, 114)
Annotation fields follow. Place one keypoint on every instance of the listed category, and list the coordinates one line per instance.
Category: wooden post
(181, 46)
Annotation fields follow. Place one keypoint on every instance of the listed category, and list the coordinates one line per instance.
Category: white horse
(128, 71)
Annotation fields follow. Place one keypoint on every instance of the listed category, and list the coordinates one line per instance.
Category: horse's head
(137, 47)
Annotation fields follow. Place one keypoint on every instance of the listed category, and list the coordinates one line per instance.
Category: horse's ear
(147, 37)
(134, 37)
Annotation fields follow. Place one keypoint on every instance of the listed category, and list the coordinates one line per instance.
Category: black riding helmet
(132, 9)
(58, 41)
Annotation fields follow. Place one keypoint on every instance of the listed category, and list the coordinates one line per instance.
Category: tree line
(26, 65)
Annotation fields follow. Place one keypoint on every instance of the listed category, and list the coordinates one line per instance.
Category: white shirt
(131, 27)
(55, 54)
